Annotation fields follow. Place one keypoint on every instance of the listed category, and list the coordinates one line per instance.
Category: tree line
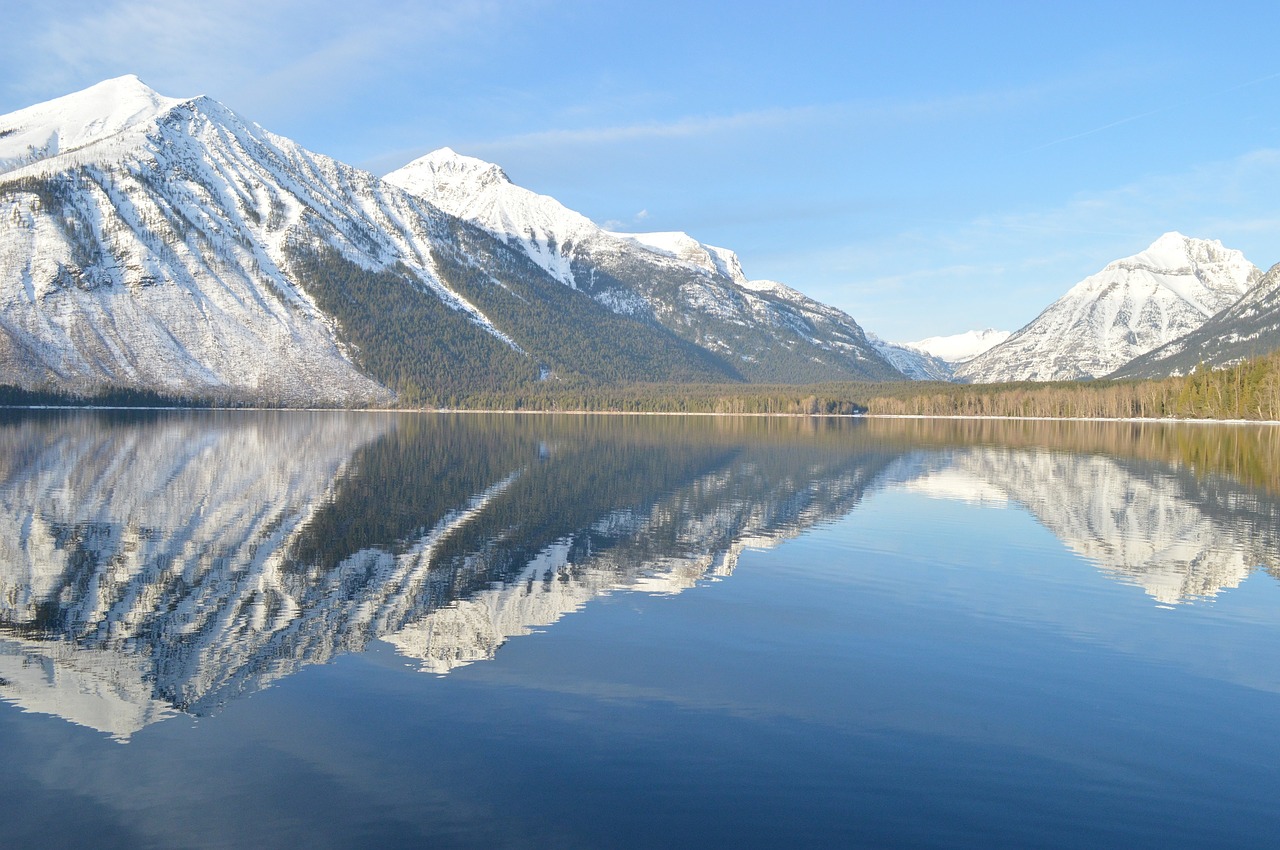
(1246, 390)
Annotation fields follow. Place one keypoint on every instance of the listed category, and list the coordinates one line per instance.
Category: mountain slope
(768, 331)
(915, 365)
(170, 245)
(1129, 308)
(1248, 328)
(124, 274)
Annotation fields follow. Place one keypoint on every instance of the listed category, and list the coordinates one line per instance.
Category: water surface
(340, 630)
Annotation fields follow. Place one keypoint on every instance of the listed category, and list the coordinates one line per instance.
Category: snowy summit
(1132, 306)
(961, 347)
(78, 120)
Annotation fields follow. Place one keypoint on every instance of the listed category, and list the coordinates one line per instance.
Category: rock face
(914, 364)
(764, 329)
(1129, 308)
(1248, 328)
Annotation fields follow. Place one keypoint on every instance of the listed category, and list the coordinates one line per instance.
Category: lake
(283, 629)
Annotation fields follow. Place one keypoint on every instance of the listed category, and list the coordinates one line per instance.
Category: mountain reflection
(1140, 502)
(162, 563)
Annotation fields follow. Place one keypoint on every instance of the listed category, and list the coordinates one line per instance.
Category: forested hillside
(1248, 390)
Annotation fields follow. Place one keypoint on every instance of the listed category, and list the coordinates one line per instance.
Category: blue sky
(927, 167)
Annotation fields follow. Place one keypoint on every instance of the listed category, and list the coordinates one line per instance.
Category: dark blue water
(358, 630)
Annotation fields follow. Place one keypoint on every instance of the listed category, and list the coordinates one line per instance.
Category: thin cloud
(866, 116)
(1103, 128)
(188, 47)
(1254, 82)
(688, 127)
(1149, 113)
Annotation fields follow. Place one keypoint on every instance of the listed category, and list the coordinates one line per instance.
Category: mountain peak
(1174, 251)
(958, 348)
(76, 120)
(123, 86)
(684, 247)
(1130, 307)
(481, 192)
(447, 166)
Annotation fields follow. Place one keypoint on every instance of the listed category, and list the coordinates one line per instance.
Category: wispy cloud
(1150, 113)
(1103, 128)
(619, 224)
(854, 116)
(681, 128)
(300, 49)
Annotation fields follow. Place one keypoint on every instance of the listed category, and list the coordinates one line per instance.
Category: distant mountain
(1129, 308)
(170, 245)
(959, 348)
(766, 330)
(915, 365)
(1248, 328)
(935, 358)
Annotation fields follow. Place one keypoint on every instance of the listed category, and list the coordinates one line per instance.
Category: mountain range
(936, 358)
(169, 245)
(768, 331)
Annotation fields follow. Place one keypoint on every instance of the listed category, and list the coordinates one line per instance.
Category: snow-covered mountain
(143, 244)
(1248, 328)
(1129, 308)
(170, 245)
(766, 330)
(959, 348)
(915, 365)
(935, 358)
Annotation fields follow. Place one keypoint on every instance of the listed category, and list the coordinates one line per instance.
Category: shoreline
(451, 410)
(1129, 419)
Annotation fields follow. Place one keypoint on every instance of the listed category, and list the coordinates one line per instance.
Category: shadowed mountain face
(159, 563)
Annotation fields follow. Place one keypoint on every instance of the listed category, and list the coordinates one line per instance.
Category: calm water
(356, 630)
